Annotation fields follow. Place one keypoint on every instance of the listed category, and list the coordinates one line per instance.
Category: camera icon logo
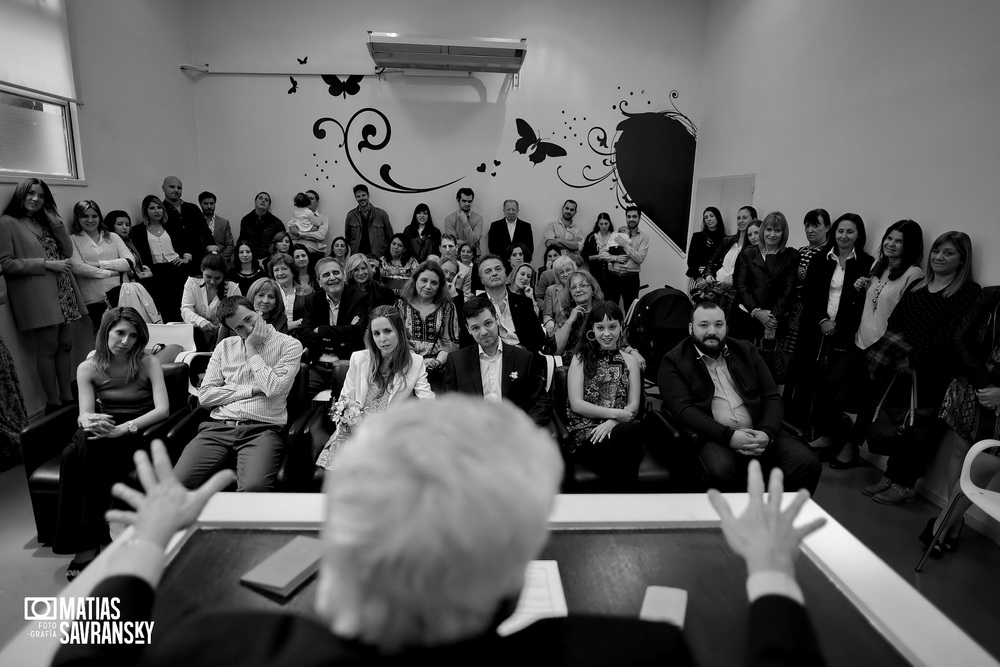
(40, 609)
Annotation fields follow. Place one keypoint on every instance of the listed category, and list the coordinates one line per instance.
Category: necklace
(879, 286)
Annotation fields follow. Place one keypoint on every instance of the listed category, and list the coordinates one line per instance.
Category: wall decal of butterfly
(352, 86)
(303, 61)
(295, 86)
(529, 140)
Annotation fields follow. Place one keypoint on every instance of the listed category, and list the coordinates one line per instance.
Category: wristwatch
(132, 428)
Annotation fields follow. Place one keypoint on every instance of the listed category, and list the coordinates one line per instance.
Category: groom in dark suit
(496, 371)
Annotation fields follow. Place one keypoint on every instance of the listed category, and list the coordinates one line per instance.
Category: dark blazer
(224, 239)
(526, 324)
(497, 239)
(194, 229)
(715, 263)
(429, 244)
(378, 294)
(260, 231)
(522, 379)
(816, 294)
(779, 634)
(978, 333)
(687, 390)
(700, 253)
(760, 287)
(342, 337)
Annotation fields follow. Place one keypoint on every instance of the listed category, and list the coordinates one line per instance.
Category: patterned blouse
(608, 388)
(791, 338)
(429, 335)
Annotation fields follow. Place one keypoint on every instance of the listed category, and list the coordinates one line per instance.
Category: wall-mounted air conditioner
(392, 50)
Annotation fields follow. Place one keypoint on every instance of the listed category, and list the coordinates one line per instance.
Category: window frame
(72, 127)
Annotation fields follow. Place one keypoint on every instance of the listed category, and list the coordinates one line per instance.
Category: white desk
(917, 629)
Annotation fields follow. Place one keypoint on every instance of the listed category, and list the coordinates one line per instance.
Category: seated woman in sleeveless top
(383, 374)
(121, 394)
(603, 391)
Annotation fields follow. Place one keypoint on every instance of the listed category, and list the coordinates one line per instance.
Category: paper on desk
(541, 597)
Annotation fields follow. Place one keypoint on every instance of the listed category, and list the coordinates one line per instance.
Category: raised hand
(764, 535)
(166, 506)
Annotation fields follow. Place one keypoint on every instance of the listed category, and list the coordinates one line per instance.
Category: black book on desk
(287, 568)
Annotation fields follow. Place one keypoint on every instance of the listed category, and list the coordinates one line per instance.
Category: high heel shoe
(950, 542)
(927, 535)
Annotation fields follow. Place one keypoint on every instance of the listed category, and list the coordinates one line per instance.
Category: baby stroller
(654, 325)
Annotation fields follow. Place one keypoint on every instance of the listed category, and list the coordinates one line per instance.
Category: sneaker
(895, 495)
(882, 485)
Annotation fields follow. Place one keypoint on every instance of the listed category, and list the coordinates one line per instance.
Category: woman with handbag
(721, 269)
(927, 318)
(167, 252)
(44, 296)
(100, 259)
(970, 409)
(896, 268)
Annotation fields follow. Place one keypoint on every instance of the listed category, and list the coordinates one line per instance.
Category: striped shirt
(251, 389)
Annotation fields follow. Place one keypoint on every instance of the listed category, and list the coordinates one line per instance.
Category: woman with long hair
(122, 393)
(429, 316)
(359, 274)
(704, 244)
(764, 281)
(927, 318)
(970, 409)
(397, 264)
(119, 222)
(282, 242)
(385, 373)
(597, 247)
(246, 268)
(166, 255)
(201, 299)
(515, 255)
(721, 269)
(896, 267)
(521, 281)
(423, 236)
(581, 293)
(44, 296)
(551, 254)
(304, 283)
(100, 259)
(604, 389)
(338, 249)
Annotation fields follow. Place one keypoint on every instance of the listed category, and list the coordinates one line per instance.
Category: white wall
(137, 122)
(886, 109)
(254, 136)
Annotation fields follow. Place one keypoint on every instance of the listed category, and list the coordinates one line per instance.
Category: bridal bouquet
(347, 411)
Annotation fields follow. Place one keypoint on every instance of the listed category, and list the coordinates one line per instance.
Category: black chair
(308, 435)
(184, 430)
(654, 477)
(43, 443)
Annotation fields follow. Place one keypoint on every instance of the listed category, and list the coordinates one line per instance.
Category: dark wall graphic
(529, 141)
(368, 132)
(651, 162)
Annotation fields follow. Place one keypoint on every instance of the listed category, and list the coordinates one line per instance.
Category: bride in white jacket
(385, 373)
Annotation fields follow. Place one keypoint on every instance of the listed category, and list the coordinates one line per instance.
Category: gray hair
(426, 535)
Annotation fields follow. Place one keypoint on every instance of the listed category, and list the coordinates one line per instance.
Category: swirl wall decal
(369, 132)
(650, 164)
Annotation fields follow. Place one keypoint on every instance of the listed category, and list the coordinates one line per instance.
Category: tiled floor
(963, 585)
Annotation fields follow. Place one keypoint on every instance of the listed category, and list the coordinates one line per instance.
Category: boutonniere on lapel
(513, 375)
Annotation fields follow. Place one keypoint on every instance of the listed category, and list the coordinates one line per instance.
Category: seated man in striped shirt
(246, 385)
